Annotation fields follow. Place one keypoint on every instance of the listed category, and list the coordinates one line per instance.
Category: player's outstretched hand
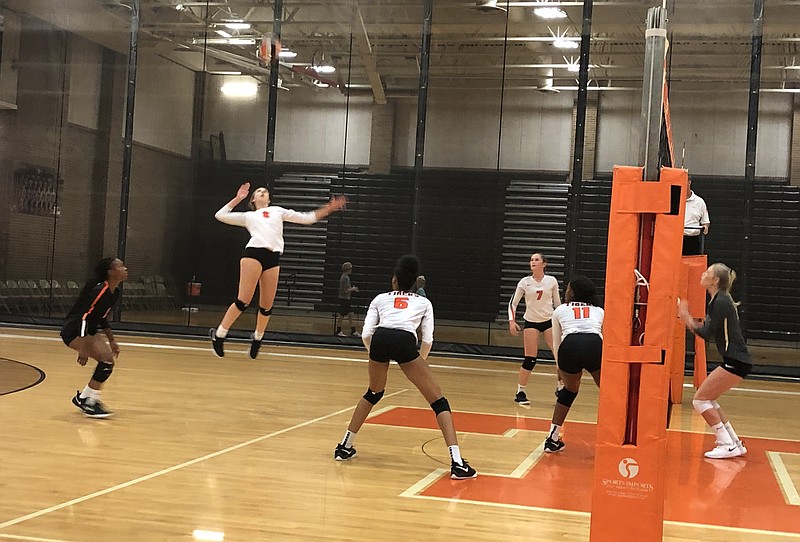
(337, 203)
(244, 191)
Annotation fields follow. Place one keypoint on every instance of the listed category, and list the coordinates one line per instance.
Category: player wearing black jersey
(721, 323)
(88, 315)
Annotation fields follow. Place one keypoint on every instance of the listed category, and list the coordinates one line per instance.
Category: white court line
(784, 479)
(358, 359)
(174, 468)
(31, 538)
(435, 474)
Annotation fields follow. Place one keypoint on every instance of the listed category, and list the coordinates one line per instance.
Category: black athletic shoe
(217, 343)
(521, 398)
(343, 453)
(552, 446)
(462, 471)
(255, 346)
(96, 410)
(78, 402)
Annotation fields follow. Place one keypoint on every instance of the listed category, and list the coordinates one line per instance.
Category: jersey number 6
(400, 302)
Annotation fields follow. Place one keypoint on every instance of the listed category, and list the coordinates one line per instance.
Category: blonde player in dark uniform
(578, 341)
(721, 323)
(79, 332)
(541, 297)
(260, 263)
(390, 334)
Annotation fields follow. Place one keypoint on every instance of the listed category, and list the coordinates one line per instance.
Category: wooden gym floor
(232, 449)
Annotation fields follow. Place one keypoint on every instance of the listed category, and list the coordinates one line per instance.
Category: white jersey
(577, 318)
(696, 215)
(541, 297)
(265, 225)
(400, 310)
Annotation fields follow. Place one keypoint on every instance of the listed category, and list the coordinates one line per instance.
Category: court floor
(203, 448)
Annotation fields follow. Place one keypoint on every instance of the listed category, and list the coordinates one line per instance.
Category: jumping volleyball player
(260, 263)
(390, 333)
(79, 332)
(541, 297)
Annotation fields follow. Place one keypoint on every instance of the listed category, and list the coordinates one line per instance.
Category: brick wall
(89, 164)
(381, 142)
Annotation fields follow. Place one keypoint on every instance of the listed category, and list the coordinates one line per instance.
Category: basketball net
(265, 49)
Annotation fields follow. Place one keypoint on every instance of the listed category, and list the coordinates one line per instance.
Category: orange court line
(740, 493)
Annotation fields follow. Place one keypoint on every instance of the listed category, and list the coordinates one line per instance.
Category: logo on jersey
(266, 214)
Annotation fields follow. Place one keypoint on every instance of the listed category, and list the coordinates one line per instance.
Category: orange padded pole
(697, 308)
(629, 478)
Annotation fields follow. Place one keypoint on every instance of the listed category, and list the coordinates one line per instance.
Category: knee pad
(566, 397)
(102, 371)
(702, 406)
(440, 405)
(529, 363)
(373, 397)
(265, 312)
(241, 305)
(716, 405)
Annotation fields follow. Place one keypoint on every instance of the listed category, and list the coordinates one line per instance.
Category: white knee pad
(702, 406)
(716, 405)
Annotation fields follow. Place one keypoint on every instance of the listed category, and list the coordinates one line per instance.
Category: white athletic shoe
(725, 451)
(740, 445)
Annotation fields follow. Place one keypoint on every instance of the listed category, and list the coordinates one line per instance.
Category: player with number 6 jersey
(390, 333)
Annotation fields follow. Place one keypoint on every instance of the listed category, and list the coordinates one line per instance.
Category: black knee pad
(440, 405)
(566, 397)
(265, 312)
(529, 363)
(241, 305)
(373, 397)
(102, 371)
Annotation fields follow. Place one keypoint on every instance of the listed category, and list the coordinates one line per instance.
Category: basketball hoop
(264, 51)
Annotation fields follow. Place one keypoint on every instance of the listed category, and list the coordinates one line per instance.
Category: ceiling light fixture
(549, 12)
(223, 33)
(237, 25)
(286, 53)
(561, 40)
(239, 89)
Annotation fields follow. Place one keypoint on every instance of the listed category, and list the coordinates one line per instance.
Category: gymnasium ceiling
(375, 44)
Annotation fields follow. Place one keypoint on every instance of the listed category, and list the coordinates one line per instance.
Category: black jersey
(722, 323)
(92, 313)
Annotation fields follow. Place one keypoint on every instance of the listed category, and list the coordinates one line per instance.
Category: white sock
(555, 431)
(258, 336)
(91, 395)
(723, 437)
(731, 432)
(222, 332)
(348, 439)
(520, 388)
(455, 454)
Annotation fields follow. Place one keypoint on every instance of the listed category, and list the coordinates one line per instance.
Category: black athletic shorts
(344, 307)
(739, 368)
(393, 344)
(541, 326)
(71, 330)
(265, 257)
(580, 351)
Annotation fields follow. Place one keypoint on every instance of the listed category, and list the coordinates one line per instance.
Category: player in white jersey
(390, 333)
(260, 263)
(540, 292)
(578, 341)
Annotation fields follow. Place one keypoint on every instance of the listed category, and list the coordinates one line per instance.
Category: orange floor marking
(737, 493)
